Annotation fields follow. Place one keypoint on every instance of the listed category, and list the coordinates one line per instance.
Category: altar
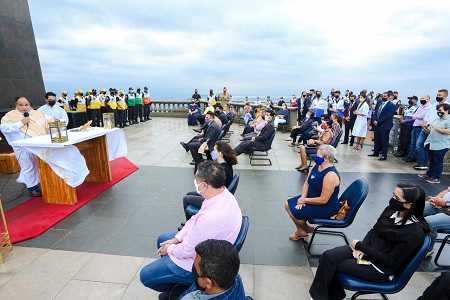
(84, 157)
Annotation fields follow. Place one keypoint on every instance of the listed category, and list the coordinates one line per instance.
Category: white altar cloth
(65, 159)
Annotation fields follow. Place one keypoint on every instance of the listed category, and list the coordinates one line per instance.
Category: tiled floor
(97, 252)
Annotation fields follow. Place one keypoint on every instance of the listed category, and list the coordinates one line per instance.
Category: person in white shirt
(52, 110)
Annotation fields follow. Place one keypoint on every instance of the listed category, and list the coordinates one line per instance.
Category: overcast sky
(254, 47)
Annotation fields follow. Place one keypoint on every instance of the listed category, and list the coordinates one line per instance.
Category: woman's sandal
(302, 169)
(292, 237)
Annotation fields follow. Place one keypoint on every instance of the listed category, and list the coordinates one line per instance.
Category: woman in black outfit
(398, 233)
(226, 157)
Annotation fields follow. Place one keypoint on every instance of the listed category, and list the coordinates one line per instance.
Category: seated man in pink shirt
(219, 218)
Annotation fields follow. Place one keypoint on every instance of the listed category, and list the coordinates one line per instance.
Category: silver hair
(328, 151)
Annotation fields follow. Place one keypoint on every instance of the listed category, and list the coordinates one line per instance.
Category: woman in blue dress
(194, 113)
(319, 198)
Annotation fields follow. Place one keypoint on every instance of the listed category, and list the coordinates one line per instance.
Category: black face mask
(440, 114)
(195, 276)
(52, 103)
(396, 205)
(423, 102)
(384, 99)
(410, 102)
(439, 99)
(395, 97)
(217, 113)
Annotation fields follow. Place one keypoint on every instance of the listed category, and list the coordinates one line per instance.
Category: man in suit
(261, 141)
(349, 119)
(384, 113)
(210, 136)
(221, 115)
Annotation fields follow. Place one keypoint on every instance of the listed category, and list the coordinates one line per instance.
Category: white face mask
(307, 116)
(266, 118)
(197, 185)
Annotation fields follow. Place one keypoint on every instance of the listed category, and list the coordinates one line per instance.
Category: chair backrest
(233, 184)
(355, 194)
(226, 127)
(242, 234)
(335, 141)
(269, 146)
(412, 263)
(219, 137)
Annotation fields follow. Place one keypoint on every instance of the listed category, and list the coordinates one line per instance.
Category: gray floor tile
(45, 240)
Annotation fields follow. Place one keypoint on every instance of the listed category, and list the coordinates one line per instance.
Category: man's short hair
(445, 106)
(444, 91)
(219, 107)
(210, 113)
(271, 112)
(212, 173)
(219, 262)
(48, 94)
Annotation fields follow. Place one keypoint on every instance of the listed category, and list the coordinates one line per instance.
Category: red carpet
(32, 218)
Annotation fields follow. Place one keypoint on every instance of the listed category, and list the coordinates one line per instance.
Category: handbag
(342, 212)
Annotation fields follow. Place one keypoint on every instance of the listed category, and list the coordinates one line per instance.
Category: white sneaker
(429, 253)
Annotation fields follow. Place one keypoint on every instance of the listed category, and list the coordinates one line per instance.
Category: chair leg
(323, 231)
(441, 248)
(357, 294)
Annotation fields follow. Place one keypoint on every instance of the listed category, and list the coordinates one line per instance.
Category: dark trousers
(146, 111)
(295, 132)
(348, 128)
(131, 114)
(303, 139)
(436, 162)
(248, 129)
(138, 111)
(194, 199)
(381, 140)
(201, 120)
(120, 116)
(340, 259)
(439, 288)
(95, 117)
(405, 138)
(245, 147)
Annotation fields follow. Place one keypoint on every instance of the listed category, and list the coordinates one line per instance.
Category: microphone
(26, 115)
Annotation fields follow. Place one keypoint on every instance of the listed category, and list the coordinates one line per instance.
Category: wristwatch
(447, 204)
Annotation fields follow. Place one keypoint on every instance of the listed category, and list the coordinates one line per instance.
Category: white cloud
(264, 47)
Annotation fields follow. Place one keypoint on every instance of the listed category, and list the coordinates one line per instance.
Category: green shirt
(437, 140)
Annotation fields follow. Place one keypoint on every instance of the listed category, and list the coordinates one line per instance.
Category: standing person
(319, 106)
(304, 103)
(211, 97)
(337, 104)
(406, 127)
(219, 218)
(383, 124)
(437, 143)
(63, 102)
(52, 110)
(102, 99)
(121, 109)
(197, 97)
(138, 105)
(418, 118)
(293, 102)
(350, 119)
(129, 99)
(95, 106)
(398, 233)
(24, 123)
(146, 101)
(360, 127)
(224, 97)
(111, 104)
(80, 102)
(422, 154)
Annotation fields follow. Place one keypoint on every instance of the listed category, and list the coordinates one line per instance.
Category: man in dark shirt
(349, 119)
(262, 141)
(196, 96)
(221, 115)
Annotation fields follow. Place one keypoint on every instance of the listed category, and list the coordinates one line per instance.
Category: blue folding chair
(364, 287)
(355, 194)
(444, 242)
(242, 234)
(261, 157)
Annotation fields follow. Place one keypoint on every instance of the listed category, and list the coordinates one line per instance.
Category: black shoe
(351, 144)
(197, 130)
(185, 146)
(399, 154)
(192, 163)
(382, 158)
(142, 120)
(121, 126)
(410, 160)
(373, 155)
(164, 296)
(420, 167)
(344, 143)
(135, 122)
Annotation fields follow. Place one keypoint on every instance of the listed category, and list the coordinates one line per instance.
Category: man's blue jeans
(437, 220)
(414, 136)
(436, 162)
(162, 274)
(422, 155)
